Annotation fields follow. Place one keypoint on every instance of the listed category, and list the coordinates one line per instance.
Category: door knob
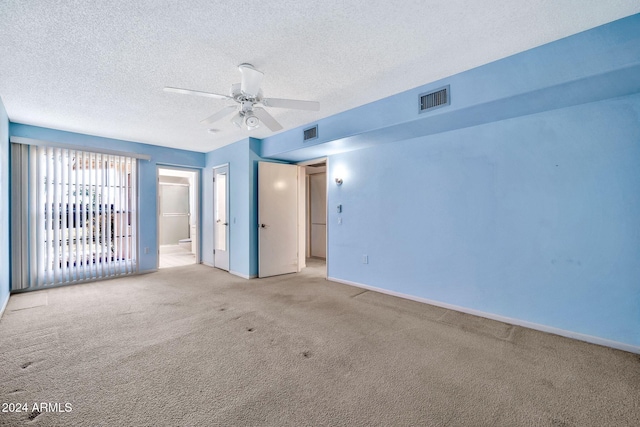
(263, 225)
(226, 223)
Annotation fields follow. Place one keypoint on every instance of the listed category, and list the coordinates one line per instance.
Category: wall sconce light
(338, 181)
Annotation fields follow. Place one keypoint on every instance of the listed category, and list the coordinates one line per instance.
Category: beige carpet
(195, 346)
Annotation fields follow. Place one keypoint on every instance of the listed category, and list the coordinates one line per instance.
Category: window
(78, 210)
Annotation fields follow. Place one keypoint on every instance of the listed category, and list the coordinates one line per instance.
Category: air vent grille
(438, 98)
(311, 133)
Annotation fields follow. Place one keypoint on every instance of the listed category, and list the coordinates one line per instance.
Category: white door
(221, 217)
(277, 219)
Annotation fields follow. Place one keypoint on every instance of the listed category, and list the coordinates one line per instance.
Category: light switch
(339, 208)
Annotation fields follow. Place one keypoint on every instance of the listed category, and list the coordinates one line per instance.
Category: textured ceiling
(99, 67)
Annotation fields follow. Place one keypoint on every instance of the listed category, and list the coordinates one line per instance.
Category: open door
(221, 217)
(277, 219)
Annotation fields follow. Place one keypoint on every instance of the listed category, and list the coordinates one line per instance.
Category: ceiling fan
(248, 95)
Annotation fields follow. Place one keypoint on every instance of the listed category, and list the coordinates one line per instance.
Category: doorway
(316, 210)
(292, 212)
(316, 214)
(178, 223)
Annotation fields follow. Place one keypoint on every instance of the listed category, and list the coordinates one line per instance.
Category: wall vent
(311, 133)
(435, 99)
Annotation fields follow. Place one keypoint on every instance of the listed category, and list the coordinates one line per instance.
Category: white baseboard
(235, 273)
(3, 305)
(518, 322)
(244, 276)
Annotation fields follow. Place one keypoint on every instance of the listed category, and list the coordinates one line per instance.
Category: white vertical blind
(47, 188)
(81, 215)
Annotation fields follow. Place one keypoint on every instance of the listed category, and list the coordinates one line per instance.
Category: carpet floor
(195, 346)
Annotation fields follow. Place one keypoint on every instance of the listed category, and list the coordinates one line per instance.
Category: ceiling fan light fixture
(251, 121)
(237, 120)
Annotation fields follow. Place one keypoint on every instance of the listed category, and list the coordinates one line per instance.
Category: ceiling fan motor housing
(246, 105)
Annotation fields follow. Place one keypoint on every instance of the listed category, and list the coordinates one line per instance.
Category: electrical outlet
(365, 259)
(339, 220)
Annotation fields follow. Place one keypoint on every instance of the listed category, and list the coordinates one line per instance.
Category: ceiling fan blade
(267, 119)
(251, 79)
(291, 103)
(220, 114)
(195, 92)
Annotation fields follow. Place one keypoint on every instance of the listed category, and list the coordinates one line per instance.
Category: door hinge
(214, 251)
(214, 179)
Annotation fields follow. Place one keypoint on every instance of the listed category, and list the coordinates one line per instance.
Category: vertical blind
(79, 213)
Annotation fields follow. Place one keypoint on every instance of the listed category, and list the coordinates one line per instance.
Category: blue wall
(5, 262)
(533, 218)
(147, 176)
(243, 232)
(519, 200)
(254, 158)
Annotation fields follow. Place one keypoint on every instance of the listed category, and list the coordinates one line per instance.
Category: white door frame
(196, 184)
(310, 162)
(228, 206)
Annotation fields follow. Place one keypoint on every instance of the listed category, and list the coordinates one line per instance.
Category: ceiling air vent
(438, 98)
(311, 133)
